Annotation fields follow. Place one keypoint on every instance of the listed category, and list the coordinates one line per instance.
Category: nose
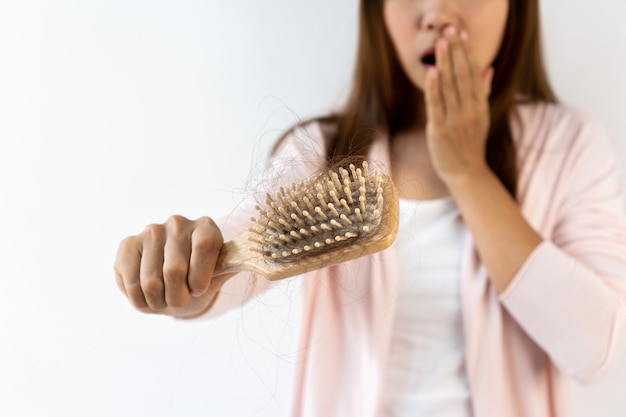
(437, 21)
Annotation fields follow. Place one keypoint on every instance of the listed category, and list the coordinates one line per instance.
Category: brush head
(334, 218)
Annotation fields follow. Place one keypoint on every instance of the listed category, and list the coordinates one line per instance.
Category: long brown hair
(384, 100)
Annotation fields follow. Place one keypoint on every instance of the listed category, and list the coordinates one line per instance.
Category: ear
(487, 79)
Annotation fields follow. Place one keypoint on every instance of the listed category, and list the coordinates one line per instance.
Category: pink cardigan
(563, 315)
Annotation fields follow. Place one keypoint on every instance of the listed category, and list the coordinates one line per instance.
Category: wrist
(468, 179)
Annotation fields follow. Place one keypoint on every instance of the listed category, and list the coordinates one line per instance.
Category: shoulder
(299, 152)
(556, 127)
(562, 150)
(567, 169)
(308, 136)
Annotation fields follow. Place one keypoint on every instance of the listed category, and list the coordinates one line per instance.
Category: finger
(477, 75)
(434, 104)
(127, 267)
(176, 261)
(216, 284)
(144, 309)
(463, 72)
(206, 241)
(151, 273)
(447, 83)
(175, 269)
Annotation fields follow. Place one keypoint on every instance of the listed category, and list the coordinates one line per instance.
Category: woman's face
(414, 26)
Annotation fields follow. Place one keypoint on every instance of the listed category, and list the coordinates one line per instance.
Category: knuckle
(135, 295)
(153, 287)
(153, 231)
(177, 223)
(133, 288)
(128, 245)
(209, 239)
(207, 244)
(205, 221)
(175, 271)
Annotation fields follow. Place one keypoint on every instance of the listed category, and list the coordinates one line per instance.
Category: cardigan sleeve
(297, 157)
(570, 294)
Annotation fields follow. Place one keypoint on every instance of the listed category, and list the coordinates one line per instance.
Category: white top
(426, 374)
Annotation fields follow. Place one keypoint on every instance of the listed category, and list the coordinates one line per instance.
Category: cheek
(400, 27)
(398, 24)
(497, 25)
(487, 31)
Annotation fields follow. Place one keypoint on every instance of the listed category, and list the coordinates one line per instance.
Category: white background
(115, 114)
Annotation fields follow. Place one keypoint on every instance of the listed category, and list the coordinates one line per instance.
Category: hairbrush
(324, 220)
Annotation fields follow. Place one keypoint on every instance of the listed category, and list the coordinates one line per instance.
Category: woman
(509, 274)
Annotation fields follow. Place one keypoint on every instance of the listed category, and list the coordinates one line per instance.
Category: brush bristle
(341, 208)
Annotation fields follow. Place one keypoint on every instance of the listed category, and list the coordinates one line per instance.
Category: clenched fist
(168, 268)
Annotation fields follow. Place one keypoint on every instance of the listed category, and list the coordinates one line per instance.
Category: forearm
(502, 236)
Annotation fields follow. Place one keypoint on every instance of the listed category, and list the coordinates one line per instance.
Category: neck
(412, 168)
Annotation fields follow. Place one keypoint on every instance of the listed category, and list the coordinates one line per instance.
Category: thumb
(487, 79)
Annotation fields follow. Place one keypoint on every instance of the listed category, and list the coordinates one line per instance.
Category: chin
(418, 81)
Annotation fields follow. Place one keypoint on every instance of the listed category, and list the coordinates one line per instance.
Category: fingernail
(197, 293)
(451, 31)
(464, 36)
